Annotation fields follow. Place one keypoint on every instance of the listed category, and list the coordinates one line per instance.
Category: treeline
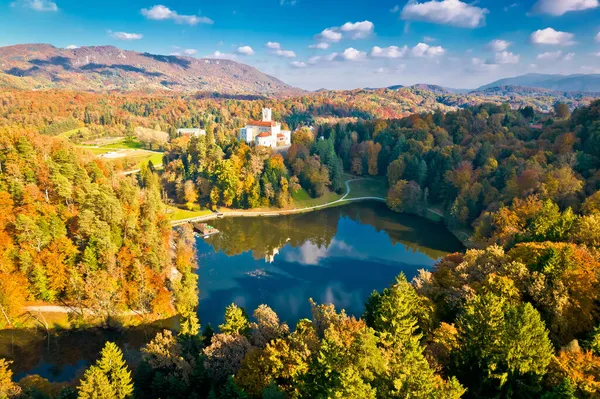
(72, 231)
(476, 160)
(200, 171)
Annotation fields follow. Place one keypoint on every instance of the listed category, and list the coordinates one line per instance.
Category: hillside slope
(105, 68)
(580, 83)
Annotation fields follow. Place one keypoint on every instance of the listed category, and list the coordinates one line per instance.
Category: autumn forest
(515, 315)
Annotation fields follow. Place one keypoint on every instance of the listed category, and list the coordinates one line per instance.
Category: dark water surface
(338, 255)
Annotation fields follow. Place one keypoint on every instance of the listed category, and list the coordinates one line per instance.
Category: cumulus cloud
(352, 30)
(352, 54)
(220, 55)
(447, 12)
(299, 64)
(424, 50)
(505, 57)
(389, 52)
(358, 30)
(72, 47)
(37, 5)
(323, 58)
(279, 51)
(190, 51)
(245, 50)
(479, 65)
(552, 37)
(126, 36)
(329, 35)
(555, 56)
(560, 7)
(162, 13)
(320, 46)
(498, 45)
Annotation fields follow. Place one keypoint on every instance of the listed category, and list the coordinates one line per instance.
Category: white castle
(265, 133)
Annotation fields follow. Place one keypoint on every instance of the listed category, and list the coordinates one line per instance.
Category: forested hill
(105, 68)
(580, 83)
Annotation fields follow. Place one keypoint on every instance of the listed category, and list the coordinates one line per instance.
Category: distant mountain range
(571, 83)
(105, 68)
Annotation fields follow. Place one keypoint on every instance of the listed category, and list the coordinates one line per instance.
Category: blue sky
(333, 44)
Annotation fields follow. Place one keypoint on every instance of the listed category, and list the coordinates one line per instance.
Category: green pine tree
(110, 376)
(236, 321)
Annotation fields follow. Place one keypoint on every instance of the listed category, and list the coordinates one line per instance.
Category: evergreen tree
(236, 321)
(110, 376)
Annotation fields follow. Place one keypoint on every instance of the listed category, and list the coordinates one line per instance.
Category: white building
(265, 133)
(191, 132)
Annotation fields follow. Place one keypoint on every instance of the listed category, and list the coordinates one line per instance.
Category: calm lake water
(338, 255)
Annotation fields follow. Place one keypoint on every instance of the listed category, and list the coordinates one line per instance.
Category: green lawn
(367, 188)
(125, 145)
(303, 200)
(182, 214)
(69, 133)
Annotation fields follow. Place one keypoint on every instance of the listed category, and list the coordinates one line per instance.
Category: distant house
(265, 133)
(537, 126)
(196, 132)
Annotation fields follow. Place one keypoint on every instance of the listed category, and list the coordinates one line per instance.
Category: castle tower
(266, 114)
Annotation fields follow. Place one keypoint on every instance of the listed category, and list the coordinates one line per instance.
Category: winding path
(283, 212)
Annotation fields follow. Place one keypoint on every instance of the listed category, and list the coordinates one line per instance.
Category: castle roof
(264, 134)
(261, 123)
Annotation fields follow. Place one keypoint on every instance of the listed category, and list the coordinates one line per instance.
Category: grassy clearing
(303, 200)
(67, 135)
(182, 214)
(125, 145)
(367, 188)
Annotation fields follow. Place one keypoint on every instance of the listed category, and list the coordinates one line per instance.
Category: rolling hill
(579, 83)
(107, 68)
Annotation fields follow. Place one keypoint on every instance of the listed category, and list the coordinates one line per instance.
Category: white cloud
(395, 9)
(220, 55)
(426, 51)
(505, 57)
(299, 64)
(389, 52)
(329, 35)
(287, 2)
(560, 7)
(447, 12)
(320, 46)
(352, 30)
(162, 13)
(279, 51)
(72, 47)
(285, 53)
(37, 5)
(428, 39)
(321, 58)
(190, 51)
(245, 50)
(498, 45)
(479, 65)
(352, 54)
(358, 30)
(555, 56)
(177, 54)
(598, 37)
(552, 37)
(126, 36)
(550, 55)
(597, 54)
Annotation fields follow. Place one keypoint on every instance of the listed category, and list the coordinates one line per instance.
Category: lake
(337, 255)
